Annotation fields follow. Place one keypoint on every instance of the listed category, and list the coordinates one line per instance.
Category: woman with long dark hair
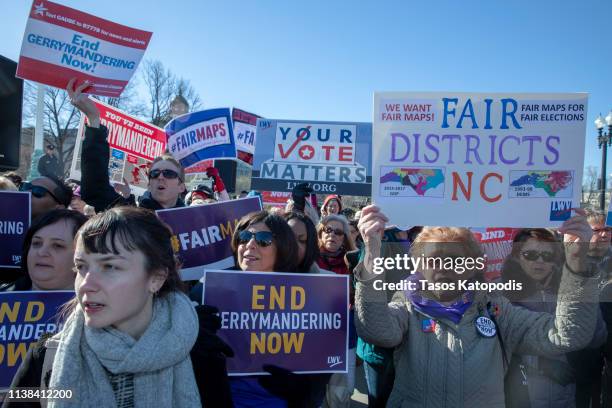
(306, 236)
(129, 333)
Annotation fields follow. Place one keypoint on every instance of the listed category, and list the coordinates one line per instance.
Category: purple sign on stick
(24, 318)
(203, 234)
(295, 321)
(14, 222)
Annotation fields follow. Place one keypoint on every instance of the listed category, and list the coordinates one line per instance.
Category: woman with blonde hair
(459, 339)
(334, 242)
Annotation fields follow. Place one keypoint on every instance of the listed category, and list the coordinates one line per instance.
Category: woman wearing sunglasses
(536, 262)
(48, 193)
(334, 242)
(265, 242)
(166, 175)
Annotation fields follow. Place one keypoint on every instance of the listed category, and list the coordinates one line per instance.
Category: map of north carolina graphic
(551, 182)
(420, 180)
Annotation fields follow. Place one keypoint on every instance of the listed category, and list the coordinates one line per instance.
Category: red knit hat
(332, 197)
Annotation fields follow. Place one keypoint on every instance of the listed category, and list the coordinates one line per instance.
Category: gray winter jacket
(455, 366)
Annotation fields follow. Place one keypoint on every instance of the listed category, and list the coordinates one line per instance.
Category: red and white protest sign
(245, 126)
(275, 198)
(133, 146)
(61, 43)
(497, 245)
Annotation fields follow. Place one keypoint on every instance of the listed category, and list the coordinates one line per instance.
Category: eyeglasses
(535, 255)
(336, 231)
(262, 238)
(37, 191)
(167, 173)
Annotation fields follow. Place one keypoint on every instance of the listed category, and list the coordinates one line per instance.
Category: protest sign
(203, 234)
(334, 157)
(196, 174)
(61, 43)
(201, 135)
(294, 321)
(245, 125)
(609, 219)
(14, 222)
(275, 198)
(133, 146)
(497, 245)
(24, 317)
(477, 159)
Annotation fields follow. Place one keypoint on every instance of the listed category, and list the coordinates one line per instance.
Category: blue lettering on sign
(560, 210)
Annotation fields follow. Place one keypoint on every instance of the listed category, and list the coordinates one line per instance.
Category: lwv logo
(334, 361)
(560, 210)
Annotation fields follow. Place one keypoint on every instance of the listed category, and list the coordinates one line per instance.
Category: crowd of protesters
(133, 337)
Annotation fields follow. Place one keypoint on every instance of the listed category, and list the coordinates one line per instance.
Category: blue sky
(323, 60)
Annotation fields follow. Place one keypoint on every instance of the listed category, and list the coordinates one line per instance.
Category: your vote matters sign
(330, 156)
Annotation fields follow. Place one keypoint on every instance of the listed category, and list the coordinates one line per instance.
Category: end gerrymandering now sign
(14, 222)
(61, 43)
(24, 318)
(295, 321)
(333, 157)
(203, 234)
(478, 159)
(201, 135)
(133, 146)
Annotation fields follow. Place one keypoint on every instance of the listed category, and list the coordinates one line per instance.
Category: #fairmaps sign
(478, 159)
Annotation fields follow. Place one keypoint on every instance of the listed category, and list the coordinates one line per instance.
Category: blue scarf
(453, 312)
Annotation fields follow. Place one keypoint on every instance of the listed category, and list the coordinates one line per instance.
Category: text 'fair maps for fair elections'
(134, 144)
(61, 43)
(201, 135)
(331, 156)
(245, 126)
(477, 159)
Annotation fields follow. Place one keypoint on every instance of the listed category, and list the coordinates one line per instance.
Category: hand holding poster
(201, 135)
(24, 317)
(133, 146)
(295, 321)
(61, 43)
(14, 222)
(462, 159)
(333, 156)
(203, 234)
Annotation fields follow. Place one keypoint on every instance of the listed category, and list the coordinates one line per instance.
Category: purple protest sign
(203, 234)
(14, 222)
(294, 321)
(24, 317)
